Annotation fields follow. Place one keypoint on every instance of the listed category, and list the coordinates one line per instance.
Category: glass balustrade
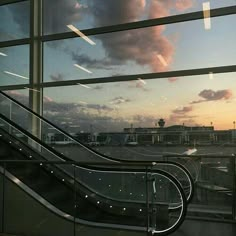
(129, 197)
(64, 143)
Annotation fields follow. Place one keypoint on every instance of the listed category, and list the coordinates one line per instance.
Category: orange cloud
(183, 110)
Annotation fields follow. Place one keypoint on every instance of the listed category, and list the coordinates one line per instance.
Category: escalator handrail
(97, 166)
(63, 157)
(103, 156)
(160, 172)
(179, 187)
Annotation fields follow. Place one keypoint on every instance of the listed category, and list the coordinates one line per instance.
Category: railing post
(75, 205)
(3, 198)
(233, 174)
(147, 199)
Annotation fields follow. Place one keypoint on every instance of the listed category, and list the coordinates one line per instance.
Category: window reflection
(156, 49)
(89, 14)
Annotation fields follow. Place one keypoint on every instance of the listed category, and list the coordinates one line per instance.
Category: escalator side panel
(26, 216)
(1, 202)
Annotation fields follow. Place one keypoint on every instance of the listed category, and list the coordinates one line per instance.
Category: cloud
(82, 59)
(182, 5)
(182, 115)
(57, 77)
(138, 85)
(211, 95)
(174, 119)
(47, 99)
(119, 100)
(183, 110)
(59, 13)
(178, 5)
(142, 45)
(98, 87)
(116, 12)
(52, 106)
(21, 16)
(83, 115)
(172, 79)
(22, 98)
(144, 120)
(99, 107)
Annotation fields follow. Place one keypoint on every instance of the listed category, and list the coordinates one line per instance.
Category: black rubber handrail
(142, 170)
(153, 164)
(99, 165)
(103, 156)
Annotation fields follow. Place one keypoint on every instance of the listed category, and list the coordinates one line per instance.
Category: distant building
(180, 134)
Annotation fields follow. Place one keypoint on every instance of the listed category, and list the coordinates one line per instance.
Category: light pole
(212, 134)
(234, 132)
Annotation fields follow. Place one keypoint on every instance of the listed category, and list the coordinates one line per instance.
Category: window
(14, 65)
(14, 20)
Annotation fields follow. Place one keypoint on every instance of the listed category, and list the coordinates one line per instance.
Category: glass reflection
(123, 119)
(20, 95)
(89, 14)
(164, 48)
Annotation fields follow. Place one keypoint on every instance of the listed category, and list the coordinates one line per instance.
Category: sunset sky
(192, 100)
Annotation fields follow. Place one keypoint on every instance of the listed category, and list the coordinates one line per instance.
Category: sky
(192, 100)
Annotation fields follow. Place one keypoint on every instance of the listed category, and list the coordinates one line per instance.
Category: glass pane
(14, 20)
(122, 119)
(54, 187)
(14, 65)
(20, 95)
(120, 193)
(214, 187)
(155, 49)
(89, 14)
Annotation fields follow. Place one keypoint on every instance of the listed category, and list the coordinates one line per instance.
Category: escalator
(76, 189)
(72, 149)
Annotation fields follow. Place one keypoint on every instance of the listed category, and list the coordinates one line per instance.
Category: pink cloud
(182, 5)
(183, 110)
(47, 99)
(211, 95)
(141, 45)
(172, 79)
(16, 93)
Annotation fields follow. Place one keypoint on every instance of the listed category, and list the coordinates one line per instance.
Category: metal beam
(144, 24)
(160, 75)
(15, 42)
(124, 78)
(5, 2)
(35, 94)
(35, 56)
